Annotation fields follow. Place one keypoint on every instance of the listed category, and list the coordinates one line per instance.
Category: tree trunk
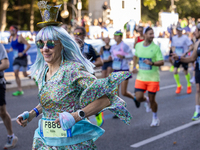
(3, 10)
(32, 16)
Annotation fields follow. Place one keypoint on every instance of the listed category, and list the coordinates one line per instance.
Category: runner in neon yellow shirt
(149, 56)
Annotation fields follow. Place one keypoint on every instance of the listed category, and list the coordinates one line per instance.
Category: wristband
(134, 67)
(152, 63)
(24, 115)
(36, 110)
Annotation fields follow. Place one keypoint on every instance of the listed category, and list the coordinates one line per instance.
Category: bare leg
(140, 96)
(109, 71)
(103, 74)
(6, 119)
(154, 105)
(17, 79)
(197, 98)
(124, 89)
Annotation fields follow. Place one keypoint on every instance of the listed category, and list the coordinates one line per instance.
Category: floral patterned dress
(72, 88)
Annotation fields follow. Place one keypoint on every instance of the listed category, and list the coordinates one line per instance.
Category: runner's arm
(191, 58)
(191, 47)
(32, 113)
(135, 61)
(98, 62)
(22, 40)
(158, 63)
(4, 64)
(173, 49)
(93, 108)
(136, 39)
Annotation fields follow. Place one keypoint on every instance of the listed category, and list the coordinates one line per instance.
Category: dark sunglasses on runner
(78, 33)
(50, 44)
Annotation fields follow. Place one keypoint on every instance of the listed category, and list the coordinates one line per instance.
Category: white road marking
(12, 119)
(154, 138)
(168, 87)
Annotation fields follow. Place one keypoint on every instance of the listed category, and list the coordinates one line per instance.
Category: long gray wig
(70, 51)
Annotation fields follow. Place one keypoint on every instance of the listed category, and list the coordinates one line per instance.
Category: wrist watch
(81, 114)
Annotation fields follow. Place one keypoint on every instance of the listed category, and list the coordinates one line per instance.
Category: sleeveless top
(17, 46)
(139, 40)
(106, 53)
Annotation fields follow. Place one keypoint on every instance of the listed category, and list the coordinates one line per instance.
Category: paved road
(176, 131)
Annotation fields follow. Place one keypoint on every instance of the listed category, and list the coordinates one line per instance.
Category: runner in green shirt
(149, 56)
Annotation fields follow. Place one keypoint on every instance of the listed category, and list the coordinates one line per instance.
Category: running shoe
(115, 117)
(189, 90)
(11, 142)
(171, 69)
(178, 90)
(18, 93)
(192, 80)
(137, 104)
(196, 116)
(100, 119)
(155, 122)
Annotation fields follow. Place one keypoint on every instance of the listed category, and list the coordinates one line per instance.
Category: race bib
(117, 64)
(144, 66)
(106, 55)
(15, 53)
(179, 51)
(51, 129)
(86, 48)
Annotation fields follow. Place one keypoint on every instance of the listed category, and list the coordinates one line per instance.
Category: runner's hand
(148, 62)
(109, 58)
(20, 54)
(23, 118)
(120, 56)
(174, 56)
(135, 70)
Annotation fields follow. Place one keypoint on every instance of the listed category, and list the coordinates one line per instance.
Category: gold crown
(49, 14)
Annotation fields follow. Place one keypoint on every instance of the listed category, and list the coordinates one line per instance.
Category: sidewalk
(29, 83)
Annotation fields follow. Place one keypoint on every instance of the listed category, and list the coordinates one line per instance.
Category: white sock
(11, 136)
(154, 115)
(147, 99)
(197, 108)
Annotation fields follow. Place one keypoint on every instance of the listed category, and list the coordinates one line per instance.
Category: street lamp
(65, 13)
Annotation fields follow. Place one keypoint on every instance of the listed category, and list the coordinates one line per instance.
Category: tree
(3, 11)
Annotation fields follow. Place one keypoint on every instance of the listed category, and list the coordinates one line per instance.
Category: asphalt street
(176, 130)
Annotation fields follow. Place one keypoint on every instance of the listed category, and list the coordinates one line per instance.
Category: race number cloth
(144, 66)
(117, 64)
(181, 42)
(153, 53)
(179, 50)
(52, 134)
(72, 88)
(50, 129)
(124, 50)
(106, 55)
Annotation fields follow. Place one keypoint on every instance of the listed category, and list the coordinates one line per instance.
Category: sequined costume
(72, 88)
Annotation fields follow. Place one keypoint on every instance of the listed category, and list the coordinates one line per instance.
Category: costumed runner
(68, 92)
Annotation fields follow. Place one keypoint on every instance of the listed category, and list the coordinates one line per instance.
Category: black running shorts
(184, 65)
(2, 94)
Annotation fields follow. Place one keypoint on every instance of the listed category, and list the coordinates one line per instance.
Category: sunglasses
(77, 33)
(50, 44)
